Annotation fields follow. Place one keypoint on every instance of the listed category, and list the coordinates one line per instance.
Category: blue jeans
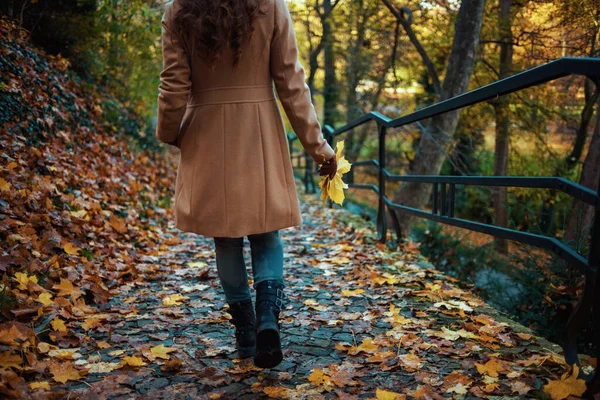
(266, 250)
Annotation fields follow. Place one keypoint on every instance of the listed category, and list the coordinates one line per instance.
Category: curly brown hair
(217, 24)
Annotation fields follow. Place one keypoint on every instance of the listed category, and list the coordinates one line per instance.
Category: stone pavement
(361, 319)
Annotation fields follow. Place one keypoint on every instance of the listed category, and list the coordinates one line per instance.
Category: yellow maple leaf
(197, 264)
(320, 378)
(102, 367)
(162, 352)
(45, 299)
(133, 361)
(58, 325)
(4, 185)
(568, 385)
(24, 279)
(387, 395)
(174, 299)
(79, 214)
(334, 188)
(102, 344)
(71, 249)
(350, 293)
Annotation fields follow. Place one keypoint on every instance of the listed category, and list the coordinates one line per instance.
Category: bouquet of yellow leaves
(334, 188)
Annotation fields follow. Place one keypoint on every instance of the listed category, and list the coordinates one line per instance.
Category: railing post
(434, 209)
(381, 214)
(291, 147)
(452, 200)
(594, 262)
(443, 202)
(308, 179)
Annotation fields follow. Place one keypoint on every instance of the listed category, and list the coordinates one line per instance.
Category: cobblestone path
(361, 319)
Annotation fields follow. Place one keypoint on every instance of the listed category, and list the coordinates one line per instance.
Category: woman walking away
(217, 104)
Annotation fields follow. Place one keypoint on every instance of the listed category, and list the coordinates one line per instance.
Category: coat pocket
(188, 118)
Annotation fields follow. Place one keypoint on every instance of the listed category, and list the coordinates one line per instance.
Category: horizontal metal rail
(444, 188)
(545, 242)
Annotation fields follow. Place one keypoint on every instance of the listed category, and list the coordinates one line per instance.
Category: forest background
(396, 57)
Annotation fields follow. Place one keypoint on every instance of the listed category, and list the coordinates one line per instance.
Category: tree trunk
(592, 93)
(440, 129)
(329, 87)
(355, 71)
(580, 216)
(502, 113)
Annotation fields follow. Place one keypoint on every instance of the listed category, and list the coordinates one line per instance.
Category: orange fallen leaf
(15, 333)
(64, 371)
(319, 378)
(568, 385)
(71, 249)
(273, 392)
(10, 360)
(490, 368)
(66, 288)
(118, 224)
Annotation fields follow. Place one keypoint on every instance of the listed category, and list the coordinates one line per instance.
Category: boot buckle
(280, 300)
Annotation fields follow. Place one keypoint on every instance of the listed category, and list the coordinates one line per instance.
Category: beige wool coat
(235, 174)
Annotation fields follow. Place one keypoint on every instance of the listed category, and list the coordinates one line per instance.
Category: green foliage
(113, 43)
(124, 54)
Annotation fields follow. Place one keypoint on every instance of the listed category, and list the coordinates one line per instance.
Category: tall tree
(580, 22)
(436, 137)
(330, 92)
(502, 115)
(580, 216)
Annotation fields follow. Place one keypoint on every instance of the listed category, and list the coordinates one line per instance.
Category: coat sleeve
(175, 82)
(294, 94)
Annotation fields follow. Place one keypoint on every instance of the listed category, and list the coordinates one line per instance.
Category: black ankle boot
(270, 300)
(242, 316)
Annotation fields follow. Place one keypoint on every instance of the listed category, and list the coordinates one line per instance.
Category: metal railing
(444, 190)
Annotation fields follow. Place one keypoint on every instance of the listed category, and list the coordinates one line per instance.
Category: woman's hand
(329, 168)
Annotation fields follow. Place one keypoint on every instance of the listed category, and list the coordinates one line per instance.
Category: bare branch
(399, 14)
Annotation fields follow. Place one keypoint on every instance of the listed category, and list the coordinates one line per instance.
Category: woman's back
(235, 176)
(252, 68)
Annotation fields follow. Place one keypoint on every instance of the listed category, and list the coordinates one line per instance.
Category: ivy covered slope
(83, 195)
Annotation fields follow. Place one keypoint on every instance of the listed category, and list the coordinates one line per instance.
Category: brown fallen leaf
(173, 365)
